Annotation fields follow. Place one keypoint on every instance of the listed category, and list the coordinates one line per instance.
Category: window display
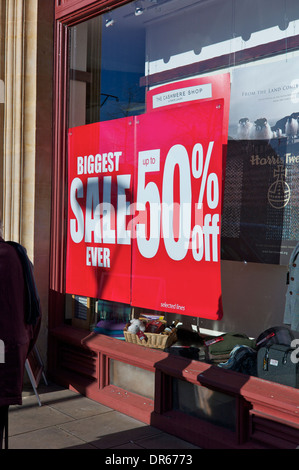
(142, 132)
(260, 222)
(108, 252)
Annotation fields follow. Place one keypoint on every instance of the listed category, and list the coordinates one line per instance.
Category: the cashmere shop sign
(182, 95)
(144, 213)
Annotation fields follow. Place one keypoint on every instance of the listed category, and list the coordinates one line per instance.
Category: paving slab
(109, 429)
(68, 420)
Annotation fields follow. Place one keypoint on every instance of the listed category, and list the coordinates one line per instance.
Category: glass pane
(133, 379)
(116, 58)
(112, 55)
(206, 404)
(105, 76)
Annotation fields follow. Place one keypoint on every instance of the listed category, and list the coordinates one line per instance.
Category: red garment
(14, 332)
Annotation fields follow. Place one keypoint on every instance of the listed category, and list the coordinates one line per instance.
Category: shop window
(118, 57)
(104, 77)
(132, 379)
(83, 311)
(203, 403)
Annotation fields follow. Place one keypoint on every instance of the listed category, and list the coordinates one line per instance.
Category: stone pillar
(27, 142)
(20, 122)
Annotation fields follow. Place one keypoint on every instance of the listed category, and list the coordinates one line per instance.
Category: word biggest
(99, 163)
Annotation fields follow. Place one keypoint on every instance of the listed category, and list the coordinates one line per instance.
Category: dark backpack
(275, 335)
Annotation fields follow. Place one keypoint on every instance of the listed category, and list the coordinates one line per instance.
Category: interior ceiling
(251, 15)
(152, 10)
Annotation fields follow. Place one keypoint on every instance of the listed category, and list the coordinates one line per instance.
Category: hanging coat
(15, 334)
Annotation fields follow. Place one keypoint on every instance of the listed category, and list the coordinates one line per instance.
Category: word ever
(98, 256)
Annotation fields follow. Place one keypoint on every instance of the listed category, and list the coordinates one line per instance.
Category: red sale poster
(144, 203)
(176, 243)
(100, 185)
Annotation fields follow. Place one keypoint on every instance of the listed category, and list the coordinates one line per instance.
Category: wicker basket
(154, 340)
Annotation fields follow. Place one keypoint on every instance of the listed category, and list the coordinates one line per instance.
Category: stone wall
(27, 43)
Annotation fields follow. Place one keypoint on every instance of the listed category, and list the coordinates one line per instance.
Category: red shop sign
(144, 210)
(176, 250)
(101, 168)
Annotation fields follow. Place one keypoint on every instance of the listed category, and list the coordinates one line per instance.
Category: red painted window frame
(259, 394)
(67, 13)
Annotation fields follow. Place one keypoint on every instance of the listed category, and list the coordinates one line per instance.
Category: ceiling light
(109, 22)
(139, 11)
(138, 8)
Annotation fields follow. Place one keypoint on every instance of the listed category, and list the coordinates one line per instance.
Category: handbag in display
(275, 335)
(278, 363)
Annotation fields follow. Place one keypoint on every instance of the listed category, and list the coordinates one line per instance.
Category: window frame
(69, 13)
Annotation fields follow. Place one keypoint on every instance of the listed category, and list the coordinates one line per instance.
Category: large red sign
(101, 168)
(176, 251)
(145, 208)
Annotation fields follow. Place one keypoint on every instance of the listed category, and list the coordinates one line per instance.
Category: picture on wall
(261, 199)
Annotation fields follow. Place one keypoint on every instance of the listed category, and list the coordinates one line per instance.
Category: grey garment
(291, 312)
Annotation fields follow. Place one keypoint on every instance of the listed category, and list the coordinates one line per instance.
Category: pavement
(68, 420)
